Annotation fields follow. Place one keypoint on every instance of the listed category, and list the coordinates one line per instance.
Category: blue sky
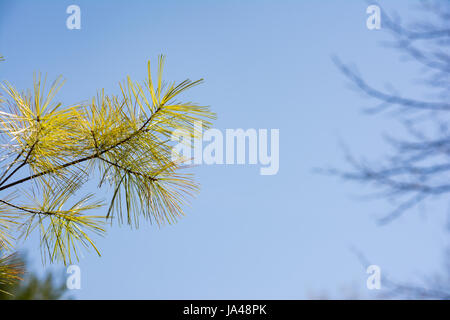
(266, 64)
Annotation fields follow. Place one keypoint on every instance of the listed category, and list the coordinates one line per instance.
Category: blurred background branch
(418, 168)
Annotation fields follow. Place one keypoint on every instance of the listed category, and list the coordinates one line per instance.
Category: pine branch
(93, 156)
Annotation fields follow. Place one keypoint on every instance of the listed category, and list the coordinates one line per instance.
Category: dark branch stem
(90, 157)
(127, 170)
(25, 209)
(11, 164)
(21, 165)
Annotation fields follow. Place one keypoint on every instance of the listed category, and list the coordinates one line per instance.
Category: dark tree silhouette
(418, 169)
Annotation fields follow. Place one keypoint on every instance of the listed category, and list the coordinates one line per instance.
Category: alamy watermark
(374, 280)
(236, 146)
(74, 20)
(73, 281)
(373, 22)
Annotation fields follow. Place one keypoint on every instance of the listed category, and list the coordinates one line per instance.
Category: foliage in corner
(49, 151)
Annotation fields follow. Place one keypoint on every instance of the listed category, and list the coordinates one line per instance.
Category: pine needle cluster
(49, 151)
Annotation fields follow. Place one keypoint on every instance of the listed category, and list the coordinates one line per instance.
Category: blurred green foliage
(50, 286)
